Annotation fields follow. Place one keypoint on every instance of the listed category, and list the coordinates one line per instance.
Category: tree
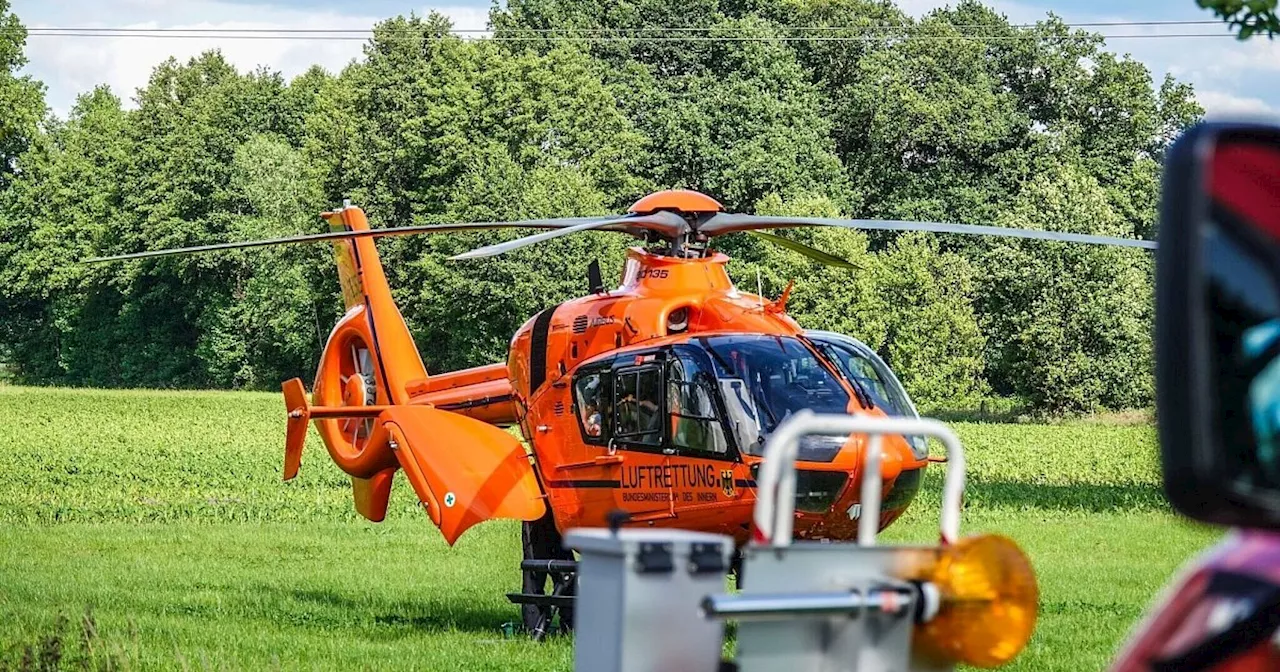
(959, 116)
(268, 328)
(430, 128)
(912, 302)
(737, 118)
(55, 213)
(932, 338)
(1249, 17)
(21, 98)
(1068, 326)
(164, 175)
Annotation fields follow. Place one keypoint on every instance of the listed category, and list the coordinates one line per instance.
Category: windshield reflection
(864, 369)
(764, 379)
(869, 372)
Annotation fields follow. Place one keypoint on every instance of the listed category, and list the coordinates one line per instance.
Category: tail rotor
(359, 388)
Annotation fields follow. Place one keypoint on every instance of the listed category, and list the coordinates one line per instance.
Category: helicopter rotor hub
(355, 391)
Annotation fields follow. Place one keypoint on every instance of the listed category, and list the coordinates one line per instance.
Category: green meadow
(151, 530)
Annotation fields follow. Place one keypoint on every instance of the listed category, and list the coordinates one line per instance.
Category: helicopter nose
(891, 462)
(891, 455)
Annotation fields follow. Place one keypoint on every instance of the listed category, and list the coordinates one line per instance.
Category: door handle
(597, 461)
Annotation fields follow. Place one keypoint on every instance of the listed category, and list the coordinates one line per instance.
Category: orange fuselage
(657, 483)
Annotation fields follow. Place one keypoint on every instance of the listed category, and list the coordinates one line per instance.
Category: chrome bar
(783, 605)
(775, 509)
(869, 520)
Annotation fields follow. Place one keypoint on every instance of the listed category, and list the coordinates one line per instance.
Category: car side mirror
(1218, 325)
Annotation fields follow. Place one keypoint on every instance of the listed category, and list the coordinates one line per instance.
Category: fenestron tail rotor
(359, 388)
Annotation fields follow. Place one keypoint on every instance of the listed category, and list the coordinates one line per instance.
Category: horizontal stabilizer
(300, 412)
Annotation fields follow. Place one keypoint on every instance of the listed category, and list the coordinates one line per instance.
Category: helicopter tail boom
(483, 393)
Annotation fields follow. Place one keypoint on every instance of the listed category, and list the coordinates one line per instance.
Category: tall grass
(165, 514)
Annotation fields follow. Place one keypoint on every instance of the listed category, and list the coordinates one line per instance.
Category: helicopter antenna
(759, 288)
(593, 277)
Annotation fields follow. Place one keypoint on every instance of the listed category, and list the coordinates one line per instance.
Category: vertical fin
(364, 283)
(295, 403)
(372, 494)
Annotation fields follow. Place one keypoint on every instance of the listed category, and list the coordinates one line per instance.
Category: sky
(1230, 77)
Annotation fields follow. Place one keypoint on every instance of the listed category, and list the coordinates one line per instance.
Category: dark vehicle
(1218, 375)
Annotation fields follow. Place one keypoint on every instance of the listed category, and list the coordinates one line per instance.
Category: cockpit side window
(591, 402)
(863, 372)
(638, 405)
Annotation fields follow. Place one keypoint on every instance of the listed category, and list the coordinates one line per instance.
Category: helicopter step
(550, 566)
(563, 574)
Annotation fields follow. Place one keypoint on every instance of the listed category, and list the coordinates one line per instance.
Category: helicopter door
(709, 472)
(639, 435)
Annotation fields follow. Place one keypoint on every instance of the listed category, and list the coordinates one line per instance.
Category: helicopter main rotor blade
(347, 235)
(722, 223)
(810, 252)
(667, 223)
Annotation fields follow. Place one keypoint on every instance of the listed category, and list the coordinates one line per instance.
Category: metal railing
(775, 507)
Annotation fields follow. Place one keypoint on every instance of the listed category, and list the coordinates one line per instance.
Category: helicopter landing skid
(564, 575)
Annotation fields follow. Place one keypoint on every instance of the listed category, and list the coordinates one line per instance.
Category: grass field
(157, 525)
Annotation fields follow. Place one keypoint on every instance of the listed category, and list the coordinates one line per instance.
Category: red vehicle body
(1237, 580)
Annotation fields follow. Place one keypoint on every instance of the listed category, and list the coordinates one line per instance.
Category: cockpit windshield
(764, 379)
(864, 368)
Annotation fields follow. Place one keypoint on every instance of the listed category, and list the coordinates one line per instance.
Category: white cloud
(1222, 104)
(1256, 54)
(70, 66)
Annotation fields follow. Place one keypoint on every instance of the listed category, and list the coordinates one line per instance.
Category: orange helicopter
(648, 404)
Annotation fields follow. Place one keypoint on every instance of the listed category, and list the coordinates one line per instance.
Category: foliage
(912, 302)
(966, 118)
(1069, 325)
(932, 335)
(21, 97)
(1250, 17)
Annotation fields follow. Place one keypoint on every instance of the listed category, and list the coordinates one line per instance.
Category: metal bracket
(654, 558)
(706, 559)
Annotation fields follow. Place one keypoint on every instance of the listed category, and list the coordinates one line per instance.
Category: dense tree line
(959, 116)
